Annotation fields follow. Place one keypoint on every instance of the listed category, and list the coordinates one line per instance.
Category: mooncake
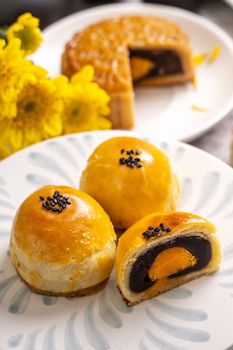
(130, 51)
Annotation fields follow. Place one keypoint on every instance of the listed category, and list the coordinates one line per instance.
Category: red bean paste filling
(166, 62)
(199, 247)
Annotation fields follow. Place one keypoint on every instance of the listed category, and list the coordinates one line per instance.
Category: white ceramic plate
(230, 2)
(165, 112)
(198, 315)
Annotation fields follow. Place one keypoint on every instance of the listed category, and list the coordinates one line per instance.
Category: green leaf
(3, 33)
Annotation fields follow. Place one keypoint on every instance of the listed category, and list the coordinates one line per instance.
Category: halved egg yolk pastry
(163, 251)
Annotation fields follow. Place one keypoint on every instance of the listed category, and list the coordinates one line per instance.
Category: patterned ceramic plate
(198, 315)
(156, 108)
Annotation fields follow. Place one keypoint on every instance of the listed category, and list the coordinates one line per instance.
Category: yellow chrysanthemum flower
(15, 72)
(84, 76)
(38, 117)
(85, 103)
(26, 28)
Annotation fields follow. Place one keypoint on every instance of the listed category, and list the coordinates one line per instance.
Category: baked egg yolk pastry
(62, 242)
(129, 51)
(163, 251)
(130, 178)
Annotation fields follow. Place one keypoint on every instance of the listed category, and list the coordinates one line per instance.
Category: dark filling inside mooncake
(198, 246)
(147, 64)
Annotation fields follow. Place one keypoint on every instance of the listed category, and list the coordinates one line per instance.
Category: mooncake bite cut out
(62, 242)
(163, 251)
(130, 50)
(130, 178)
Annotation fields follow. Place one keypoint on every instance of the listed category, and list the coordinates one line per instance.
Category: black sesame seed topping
(57, 203)
(130, 162)
(148, 234)
(155, 231)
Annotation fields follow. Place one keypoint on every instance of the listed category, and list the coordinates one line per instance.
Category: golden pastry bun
(163, 251)
(127, 193)
(66, 252)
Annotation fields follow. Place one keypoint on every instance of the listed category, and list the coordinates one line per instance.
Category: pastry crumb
(198, 108)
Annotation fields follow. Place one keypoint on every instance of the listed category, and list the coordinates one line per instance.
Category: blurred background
(51, 10)
(216, 141)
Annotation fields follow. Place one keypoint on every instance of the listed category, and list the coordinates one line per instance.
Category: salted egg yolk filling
(171, 261)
